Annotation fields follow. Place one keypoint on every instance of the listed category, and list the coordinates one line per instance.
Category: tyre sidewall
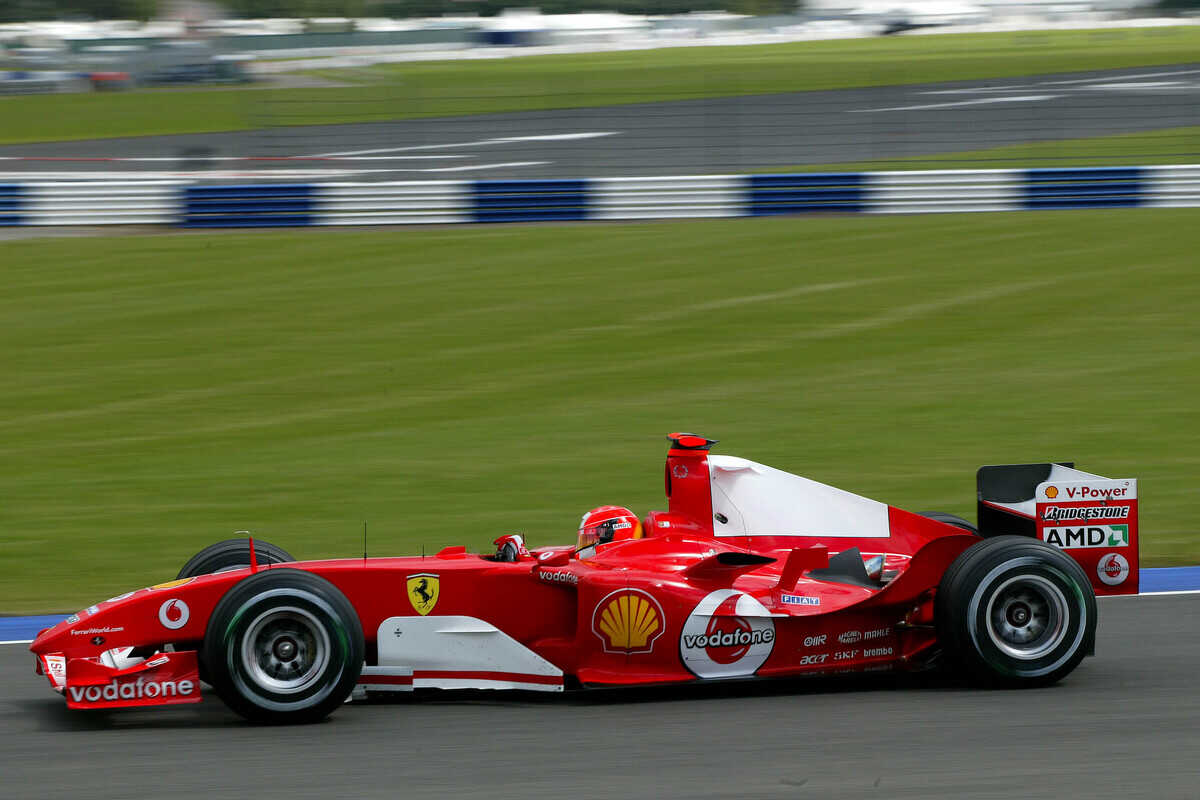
(972, 581)
(1005, 665)
(235, 617)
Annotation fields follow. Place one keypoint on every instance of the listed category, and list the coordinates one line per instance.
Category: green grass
(1166, 146)
(426, 89)
(451, 385)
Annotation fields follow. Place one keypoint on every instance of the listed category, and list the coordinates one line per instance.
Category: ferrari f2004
(751, 572)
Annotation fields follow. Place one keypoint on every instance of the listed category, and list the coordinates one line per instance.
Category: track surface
(1123, 725)
(680, 137)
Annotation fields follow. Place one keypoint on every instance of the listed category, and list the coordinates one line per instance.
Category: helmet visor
(600, 532)
(588, 537)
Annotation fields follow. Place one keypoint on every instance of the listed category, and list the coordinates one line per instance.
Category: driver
(606, 524)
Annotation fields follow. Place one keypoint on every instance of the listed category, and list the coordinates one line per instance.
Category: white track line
(219, 159)
(291, 174)
(549, 137)
(1026, 98)
(470, 167)
(1102, 78)
(1074, 82)
(1144, 86)
(1157, 594)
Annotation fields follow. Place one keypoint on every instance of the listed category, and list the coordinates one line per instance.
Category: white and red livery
(751, 572)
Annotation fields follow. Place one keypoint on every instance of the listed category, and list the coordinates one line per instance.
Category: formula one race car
(751, 572)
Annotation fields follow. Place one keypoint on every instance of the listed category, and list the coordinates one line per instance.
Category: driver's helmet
(607, 524)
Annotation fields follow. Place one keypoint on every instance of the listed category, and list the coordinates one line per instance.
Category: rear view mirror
(559, 558)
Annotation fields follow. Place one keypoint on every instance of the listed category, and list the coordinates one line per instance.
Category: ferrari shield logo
(423, 592)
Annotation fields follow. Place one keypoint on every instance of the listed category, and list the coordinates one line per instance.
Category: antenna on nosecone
(364, 543)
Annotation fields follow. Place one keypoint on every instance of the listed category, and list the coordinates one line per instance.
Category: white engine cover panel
(758, 500)
(463, 653)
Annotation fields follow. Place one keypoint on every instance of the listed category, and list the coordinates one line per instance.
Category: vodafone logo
(137, 690)
(728, 633)
(1113, 569)
(174, 614)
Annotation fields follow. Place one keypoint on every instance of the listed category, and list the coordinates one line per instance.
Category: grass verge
(447, 386)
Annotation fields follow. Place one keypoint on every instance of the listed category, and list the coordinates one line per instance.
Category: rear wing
(1092, 519)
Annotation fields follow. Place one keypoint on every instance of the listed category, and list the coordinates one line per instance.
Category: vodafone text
(728, 639)
(141, 689)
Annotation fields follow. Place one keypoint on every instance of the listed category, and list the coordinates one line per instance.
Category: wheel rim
(1027, 617)
(285, 650)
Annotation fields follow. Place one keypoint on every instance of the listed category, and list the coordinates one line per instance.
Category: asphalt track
(1122, 725)
(733, 134)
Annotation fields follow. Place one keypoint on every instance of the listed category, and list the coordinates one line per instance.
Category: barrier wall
(442, 202)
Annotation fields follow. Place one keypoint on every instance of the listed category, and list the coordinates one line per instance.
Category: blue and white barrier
(198, 205)
(91, 203)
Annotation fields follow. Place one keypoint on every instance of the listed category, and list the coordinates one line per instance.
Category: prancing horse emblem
(423, 592)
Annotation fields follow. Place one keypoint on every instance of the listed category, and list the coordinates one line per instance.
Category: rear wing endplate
(1091, 518)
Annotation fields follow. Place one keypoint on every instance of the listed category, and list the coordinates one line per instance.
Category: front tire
(283, 646)
(232, 554)
(1015, 611)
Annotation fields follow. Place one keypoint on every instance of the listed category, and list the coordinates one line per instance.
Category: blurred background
(448, 384)
(391, 89)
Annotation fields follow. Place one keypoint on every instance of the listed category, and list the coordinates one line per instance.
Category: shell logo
(628, 621)
(172, 584)
(1052, 492)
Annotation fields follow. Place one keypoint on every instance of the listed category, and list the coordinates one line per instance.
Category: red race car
(751, 572)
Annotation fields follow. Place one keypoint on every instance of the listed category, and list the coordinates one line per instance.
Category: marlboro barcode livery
(750, 572)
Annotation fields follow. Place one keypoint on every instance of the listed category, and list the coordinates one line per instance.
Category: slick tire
(1014, 611)
(232, 554)
(283, 646)
(949, 519)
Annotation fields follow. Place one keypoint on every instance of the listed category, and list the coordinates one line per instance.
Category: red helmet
(608, 524)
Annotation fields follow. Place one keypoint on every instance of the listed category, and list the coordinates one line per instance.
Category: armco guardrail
(442, 202)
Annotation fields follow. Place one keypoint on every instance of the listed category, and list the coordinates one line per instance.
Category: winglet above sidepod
(799, 561)
(724, 566)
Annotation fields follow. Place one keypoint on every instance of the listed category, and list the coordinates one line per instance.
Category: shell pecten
(628, 622)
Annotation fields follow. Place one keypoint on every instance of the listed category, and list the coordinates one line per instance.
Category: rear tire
(232, 554)
(1014, 611)
(950, 519)
(283, 646)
